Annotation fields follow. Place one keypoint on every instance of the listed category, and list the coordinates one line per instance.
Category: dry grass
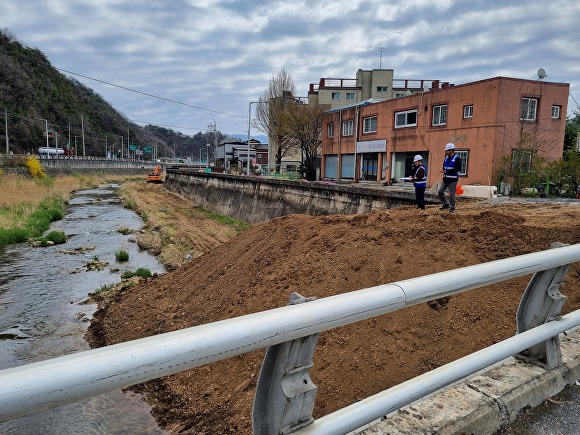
(20, 195)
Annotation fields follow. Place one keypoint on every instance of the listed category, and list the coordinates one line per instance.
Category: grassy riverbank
(28, 205)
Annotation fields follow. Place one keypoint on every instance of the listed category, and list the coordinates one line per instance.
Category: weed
(143, 272)
(128, 274)
(124, 230)
(239, 226)
(122, 256)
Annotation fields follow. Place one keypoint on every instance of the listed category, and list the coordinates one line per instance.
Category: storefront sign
(372, 146)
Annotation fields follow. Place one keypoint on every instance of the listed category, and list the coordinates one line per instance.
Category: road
(559, 415)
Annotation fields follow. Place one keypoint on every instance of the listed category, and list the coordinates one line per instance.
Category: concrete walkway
(487, 400)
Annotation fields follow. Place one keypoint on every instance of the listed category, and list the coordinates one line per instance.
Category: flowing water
(42, 313)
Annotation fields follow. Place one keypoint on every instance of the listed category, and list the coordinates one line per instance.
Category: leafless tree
(305, 127)
(272, 117)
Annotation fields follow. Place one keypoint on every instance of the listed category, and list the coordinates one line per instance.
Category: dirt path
(322, 256)
(176, 230)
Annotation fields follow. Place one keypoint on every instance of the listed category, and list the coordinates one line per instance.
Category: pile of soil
(323, 256)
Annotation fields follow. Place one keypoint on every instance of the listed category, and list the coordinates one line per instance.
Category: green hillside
(34, 95)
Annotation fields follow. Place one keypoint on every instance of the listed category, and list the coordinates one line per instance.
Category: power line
(148, 94)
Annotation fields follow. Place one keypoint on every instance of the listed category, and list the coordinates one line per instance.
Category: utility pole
(6, 124)
(83, 128)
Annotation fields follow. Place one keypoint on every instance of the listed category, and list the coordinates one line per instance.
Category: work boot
(451, 210)
(444, 206)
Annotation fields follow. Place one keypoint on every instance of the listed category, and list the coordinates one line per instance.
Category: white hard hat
(417, 158)
(449, 146)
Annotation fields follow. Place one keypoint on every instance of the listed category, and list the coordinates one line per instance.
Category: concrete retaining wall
(73, 165)
(257, 199)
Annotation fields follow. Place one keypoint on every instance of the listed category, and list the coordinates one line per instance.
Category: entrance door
(370, 164)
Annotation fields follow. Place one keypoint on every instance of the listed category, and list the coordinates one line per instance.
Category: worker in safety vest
(450, 171)
(419, 180)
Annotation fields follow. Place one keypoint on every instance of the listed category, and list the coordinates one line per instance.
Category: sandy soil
(322, 256)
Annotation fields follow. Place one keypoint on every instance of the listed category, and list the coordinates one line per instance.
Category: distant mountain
(38, 97)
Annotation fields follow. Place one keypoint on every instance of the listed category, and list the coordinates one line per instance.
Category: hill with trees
(35, 98)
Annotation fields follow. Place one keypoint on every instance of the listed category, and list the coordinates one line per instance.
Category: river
(44, 314)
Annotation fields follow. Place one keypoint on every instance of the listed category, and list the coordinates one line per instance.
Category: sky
(187, 64)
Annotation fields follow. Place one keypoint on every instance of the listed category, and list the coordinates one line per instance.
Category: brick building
(487, 119)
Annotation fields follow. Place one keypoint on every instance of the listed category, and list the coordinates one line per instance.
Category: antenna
(381, 56)
(542, 74)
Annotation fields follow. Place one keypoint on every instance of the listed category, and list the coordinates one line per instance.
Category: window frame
(558, 109)
(368, 125)
(382, 89)
(468, 111)
(335, 96)
(348, 127)
(406, 114)
(439, 112)
(330, 130)
(350, 96)
(527, 108)
(464, 156)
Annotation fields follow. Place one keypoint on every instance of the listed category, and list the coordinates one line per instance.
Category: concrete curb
(484, 402)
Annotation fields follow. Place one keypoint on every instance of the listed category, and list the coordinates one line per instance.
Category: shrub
(122, 256)
(34, 167)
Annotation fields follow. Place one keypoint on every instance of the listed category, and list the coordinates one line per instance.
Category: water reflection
(42, 315)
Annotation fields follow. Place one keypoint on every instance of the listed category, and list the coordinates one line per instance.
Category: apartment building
(486, 120)
(377, 84)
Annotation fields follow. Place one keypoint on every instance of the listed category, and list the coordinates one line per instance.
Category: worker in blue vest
(450, 171)
(419, 180)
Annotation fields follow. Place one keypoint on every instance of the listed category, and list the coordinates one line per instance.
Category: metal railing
(285, 394)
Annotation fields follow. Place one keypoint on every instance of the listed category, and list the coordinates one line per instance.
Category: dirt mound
(323, 256)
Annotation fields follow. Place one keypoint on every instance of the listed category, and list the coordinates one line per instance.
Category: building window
(440, 115)
(331, 130)
(406, 119)
(382, 88)
(400, 94)
(336, 95)
(529, 106)
(556, 112)
(464, 156)
(521, 161)
(468, 111)
(348, 128)
(350, 96)
(370, 124)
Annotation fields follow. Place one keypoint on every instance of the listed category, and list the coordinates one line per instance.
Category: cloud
(219, 55)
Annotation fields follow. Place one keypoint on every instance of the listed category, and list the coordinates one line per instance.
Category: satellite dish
(542, 74)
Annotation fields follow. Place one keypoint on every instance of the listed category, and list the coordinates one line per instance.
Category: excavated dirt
(323, 256)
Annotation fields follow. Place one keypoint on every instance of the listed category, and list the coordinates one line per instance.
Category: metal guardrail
(285, 395)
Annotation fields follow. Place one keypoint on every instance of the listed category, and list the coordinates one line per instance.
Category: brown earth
(322, 256)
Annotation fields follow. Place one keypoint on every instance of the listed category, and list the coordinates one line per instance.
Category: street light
(249, 126)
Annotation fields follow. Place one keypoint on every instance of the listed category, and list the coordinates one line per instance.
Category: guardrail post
(285, 394)
(541, 303)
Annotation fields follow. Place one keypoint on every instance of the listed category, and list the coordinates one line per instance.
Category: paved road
(559, 415)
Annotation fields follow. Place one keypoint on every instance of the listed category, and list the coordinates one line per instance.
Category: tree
(572, 131)
(272, 116)
(305, 127)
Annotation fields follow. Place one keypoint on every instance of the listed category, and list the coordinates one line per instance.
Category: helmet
(417, 158)
(449, 146)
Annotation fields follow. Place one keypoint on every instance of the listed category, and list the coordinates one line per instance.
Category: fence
(285, 394)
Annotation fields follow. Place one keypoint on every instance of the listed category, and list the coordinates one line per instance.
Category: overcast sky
(215, 56)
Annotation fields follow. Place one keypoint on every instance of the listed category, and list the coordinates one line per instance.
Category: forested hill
(33, 94)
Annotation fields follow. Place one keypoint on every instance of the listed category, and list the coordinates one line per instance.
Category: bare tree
(305, 127)
(271, 115)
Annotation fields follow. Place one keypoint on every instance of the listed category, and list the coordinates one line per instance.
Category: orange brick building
(376, 140)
